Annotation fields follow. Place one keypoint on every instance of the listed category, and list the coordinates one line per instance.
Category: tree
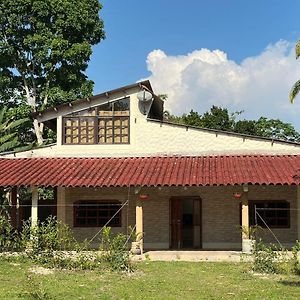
(45, 47)
(9, 138)
(296, 87)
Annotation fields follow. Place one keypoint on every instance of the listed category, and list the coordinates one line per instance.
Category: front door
(185, 222)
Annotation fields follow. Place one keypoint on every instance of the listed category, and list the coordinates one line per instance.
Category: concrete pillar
(245, 214)
(34, 206)
(61, 204)
(139, 222)
(298, 211)
(13, 212)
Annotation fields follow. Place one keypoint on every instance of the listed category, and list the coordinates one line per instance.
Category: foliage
(295, 258)
(296, 87)
(33, 289)
(9, 238)
(45, 47)
(47, 236)
(9, 137)
(250, 231)
(115, 250)
(265, 258)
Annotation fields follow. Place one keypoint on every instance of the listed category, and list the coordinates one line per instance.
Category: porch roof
(151, 171)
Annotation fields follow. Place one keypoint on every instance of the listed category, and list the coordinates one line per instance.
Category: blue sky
(241, 30)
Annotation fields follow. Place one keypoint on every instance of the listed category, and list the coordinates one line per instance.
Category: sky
(231, 53)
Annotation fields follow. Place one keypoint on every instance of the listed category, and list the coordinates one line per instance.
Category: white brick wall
(150, 138)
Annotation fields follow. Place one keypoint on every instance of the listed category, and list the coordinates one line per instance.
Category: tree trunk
(38, 132)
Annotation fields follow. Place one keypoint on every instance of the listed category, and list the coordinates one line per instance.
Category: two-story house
(117, 162)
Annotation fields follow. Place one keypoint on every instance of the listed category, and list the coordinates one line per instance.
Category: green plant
(295, 259)
(9, 238)
(115, 251)
(34, 290)
(265, 258)
(250, 231)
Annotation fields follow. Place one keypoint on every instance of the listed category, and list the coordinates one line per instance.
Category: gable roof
(68, 105)
(151, 171)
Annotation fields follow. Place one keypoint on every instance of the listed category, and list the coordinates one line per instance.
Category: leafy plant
(250, 231)
(264, 258)
(8, 131)
(9, 238)
(115, 251)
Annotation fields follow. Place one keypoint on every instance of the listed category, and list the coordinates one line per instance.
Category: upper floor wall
(144, 136)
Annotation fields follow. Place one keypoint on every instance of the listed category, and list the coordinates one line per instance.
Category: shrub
(115, 251)
(9, 237)
(265, 258)
(294, 259)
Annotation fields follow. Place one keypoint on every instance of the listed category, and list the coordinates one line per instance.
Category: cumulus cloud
(259, 85)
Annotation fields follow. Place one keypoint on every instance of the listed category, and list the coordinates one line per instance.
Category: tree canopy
(45, 47)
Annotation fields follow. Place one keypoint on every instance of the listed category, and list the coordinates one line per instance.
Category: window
(105, 124)
(276, 214)
(97, 213)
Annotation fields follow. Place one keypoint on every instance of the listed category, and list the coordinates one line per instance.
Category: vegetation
(296, 87)
(153, 280)
(9, 138)
(220, 119)
(45, 47)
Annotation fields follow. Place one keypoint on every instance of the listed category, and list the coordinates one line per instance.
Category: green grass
(152, 280)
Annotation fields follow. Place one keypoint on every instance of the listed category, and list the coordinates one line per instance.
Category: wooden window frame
(98, 205)
(252, 204)
(96, 120)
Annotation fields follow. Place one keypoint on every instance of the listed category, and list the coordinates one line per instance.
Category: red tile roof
(150, 171)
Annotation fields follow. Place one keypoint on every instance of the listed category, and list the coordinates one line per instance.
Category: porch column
(61, 204)
(34, 206)
(13, 212)
(139, 222)
(298, 211)
(245, 219)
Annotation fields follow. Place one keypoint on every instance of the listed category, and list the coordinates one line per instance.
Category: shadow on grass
(290, 283)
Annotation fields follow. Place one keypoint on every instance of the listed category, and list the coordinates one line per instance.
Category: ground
(151, 280)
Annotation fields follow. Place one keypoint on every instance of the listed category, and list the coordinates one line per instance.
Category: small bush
(295, 260)
(265, 258)
(115, 251)
(9, 237)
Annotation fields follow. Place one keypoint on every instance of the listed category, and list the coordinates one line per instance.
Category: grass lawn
(152, 280)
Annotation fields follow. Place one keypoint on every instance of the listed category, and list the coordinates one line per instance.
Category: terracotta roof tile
(151, 171)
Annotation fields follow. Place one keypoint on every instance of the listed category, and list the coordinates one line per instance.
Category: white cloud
(259, 85)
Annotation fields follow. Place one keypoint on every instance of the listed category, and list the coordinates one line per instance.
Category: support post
(61, 204)
(246, 243)
(13, 212)
(298, 211)
(139, 223)
(34, 206)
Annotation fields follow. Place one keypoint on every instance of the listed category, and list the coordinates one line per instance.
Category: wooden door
(176, 223)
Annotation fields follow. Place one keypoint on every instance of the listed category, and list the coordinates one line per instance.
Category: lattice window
(106, 124)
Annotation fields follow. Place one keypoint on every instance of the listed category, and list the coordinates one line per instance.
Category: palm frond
(16, 123)
(7, 137)
(297, 49)
(294, 91)
(9, 145)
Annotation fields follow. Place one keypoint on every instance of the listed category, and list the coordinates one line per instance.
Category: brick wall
(220, 213)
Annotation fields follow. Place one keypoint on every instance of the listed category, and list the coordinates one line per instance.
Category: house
(118, 162)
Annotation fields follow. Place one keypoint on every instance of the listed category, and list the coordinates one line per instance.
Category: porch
(174, 202)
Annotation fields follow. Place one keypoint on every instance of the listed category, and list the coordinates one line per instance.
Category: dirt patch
(40, 271)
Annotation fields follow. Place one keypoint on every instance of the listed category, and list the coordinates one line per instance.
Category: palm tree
(296, 87)
(8, 131)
